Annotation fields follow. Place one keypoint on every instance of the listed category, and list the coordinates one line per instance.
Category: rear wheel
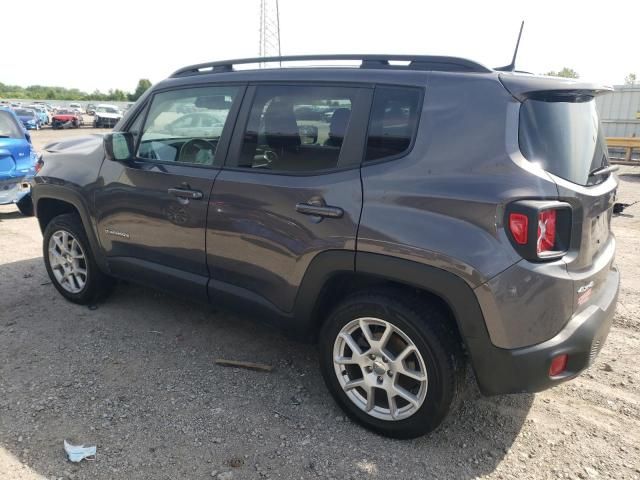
(391, 362)
(70, 262)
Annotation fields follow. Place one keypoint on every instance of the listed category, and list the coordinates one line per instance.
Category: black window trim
(225, 137)
(361, 112)
(414, 135)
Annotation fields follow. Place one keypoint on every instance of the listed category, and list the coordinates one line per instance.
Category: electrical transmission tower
(269, 29)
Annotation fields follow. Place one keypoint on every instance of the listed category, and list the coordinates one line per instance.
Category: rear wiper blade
(5, 136)
(604, 170)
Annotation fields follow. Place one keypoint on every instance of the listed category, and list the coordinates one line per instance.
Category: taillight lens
(546, 231)
(519, 226)
(539, 230)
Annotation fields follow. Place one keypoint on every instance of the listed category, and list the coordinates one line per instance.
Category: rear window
(394, 118)
(564, 137)
(8, 126)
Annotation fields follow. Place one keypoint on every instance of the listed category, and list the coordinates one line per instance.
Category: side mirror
(308, 134)
(118, 146)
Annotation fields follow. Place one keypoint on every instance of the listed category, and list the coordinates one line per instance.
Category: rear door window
(393, 123)
(564, 138)
(297, 128)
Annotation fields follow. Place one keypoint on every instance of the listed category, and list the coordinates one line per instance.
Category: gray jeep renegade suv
(410, 214)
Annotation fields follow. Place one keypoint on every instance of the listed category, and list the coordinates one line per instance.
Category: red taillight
(546, 230)
(38, 166)
(519, 225)
(558, 365)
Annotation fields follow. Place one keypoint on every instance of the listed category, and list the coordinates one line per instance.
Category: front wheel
(392, 362)
(70, 262)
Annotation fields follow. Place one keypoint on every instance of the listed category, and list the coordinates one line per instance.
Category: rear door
(152, 211)
(289, 190)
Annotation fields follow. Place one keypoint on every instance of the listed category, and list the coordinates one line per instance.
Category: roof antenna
(512, 66)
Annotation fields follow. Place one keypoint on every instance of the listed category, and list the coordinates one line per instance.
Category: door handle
(186, 193)
(319, 210)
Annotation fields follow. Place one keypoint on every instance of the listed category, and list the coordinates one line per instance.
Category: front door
(152, 211)
(289, 190)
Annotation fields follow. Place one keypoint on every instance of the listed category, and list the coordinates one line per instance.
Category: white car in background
(106, 116)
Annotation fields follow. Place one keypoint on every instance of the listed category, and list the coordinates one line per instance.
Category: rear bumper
(13, 191)
(526, 369)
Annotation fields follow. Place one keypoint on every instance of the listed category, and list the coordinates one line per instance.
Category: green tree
(630, 79)
(143, 85)
(565, 72)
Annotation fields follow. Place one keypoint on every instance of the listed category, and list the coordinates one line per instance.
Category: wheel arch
(49, 201)
(333, 275)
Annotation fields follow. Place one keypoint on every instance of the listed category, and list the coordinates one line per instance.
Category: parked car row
(38, 114)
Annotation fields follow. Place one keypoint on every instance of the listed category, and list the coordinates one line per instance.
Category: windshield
(8, 126)
(107, 110)
(21, 112)
(565, 137)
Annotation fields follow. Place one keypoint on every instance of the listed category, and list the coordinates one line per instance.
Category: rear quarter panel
(443, 203)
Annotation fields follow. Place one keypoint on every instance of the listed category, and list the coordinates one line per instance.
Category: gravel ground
(137, 377)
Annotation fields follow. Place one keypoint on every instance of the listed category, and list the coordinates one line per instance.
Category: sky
(97, 44)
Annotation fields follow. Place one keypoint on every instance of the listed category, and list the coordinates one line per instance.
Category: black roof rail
(415, 62)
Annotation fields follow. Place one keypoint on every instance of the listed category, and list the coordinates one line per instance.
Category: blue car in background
(43, 116)
(18, 163)
(29, 118)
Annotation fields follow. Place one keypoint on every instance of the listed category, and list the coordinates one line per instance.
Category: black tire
(98, 285)
(429, 329)
(25, 205)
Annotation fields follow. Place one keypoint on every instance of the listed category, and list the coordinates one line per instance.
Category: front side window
(296, 128)
(393, 123)
(185, 125)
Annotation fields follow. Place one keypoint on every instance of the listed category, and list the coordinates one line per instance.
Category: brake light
(546, 231)
(539, 230)
(38, 166)
(519, 226)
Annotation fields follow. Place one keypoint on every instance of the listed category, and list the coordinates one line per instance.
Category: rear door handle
(186, 193)
(319, 210)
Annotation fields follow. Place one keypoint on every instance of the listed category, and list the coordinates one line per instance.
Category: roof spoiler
(523, 86)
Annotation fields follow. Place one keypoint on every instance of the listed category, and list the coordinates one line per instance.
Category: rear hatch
(560, 130)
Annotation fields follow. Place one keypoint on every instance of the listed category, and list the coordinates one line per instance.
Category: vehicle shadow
(136, 375)
(10, 215)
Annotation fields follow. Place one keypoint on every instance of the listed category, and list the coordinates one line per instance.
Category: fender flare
(44, 191)
(452, 289)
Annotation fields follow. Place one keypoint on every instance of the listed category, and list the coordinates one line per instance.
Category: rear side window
(394, 118)
(564, 137)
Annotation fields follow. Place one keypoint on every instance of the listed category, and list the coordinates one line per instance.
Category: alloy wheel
(380, 369)
(68, 262)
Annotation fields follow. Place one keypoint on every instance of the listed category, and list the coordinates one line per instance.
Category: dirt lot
(137, 377)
